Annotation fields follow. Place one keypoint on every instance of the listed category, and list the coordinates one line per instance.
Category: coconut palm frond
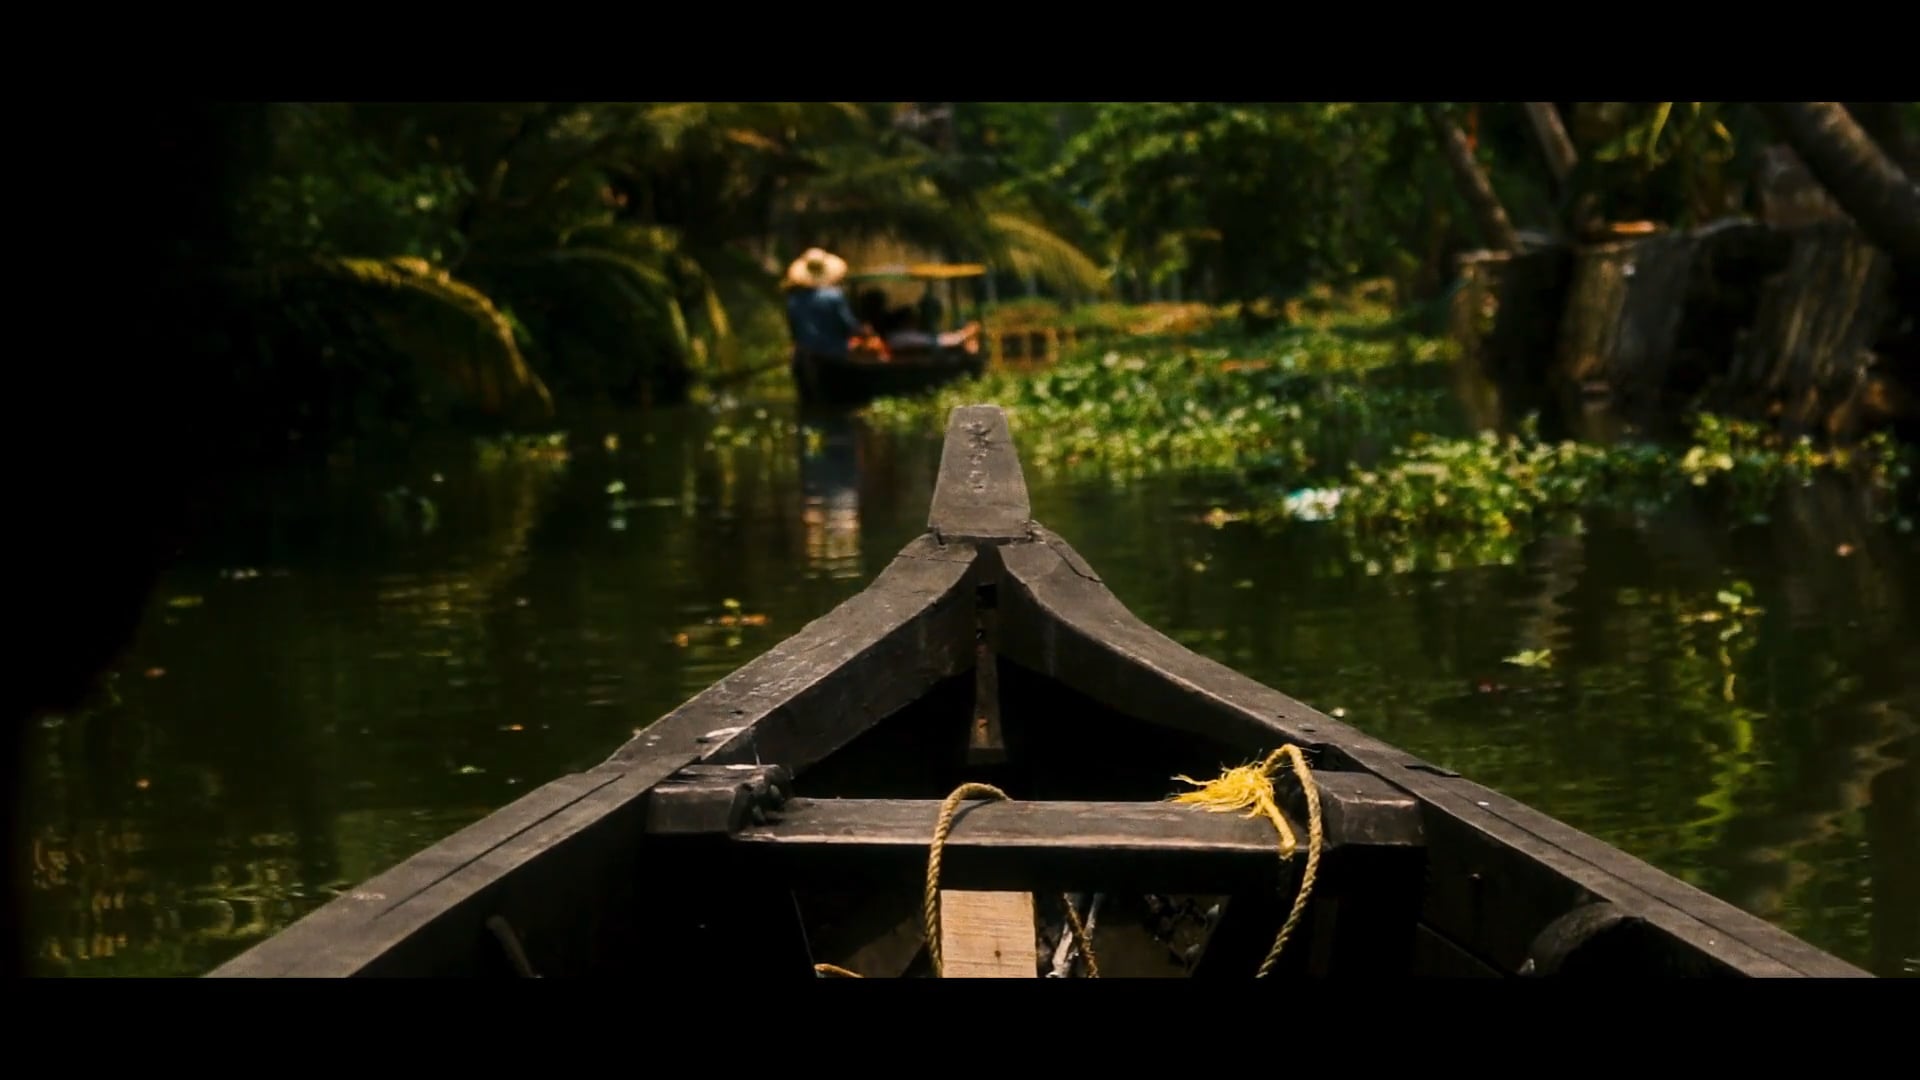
(762, 124)
(447, 324)
(690, 275)
(1033, 248)
(633, 238)
(679, 273)
(1052, 203)
(645, 291)
(682, 337)
(753, 140)
(620, 304)
(672, 119)
(717, 319)
(1178, 245)
(648, 276)
(718, 330)
(883, 202)
(932, 228)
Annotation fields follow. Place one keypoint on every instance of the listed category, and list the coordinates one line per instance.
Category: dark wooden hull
(782, 818)
(855, 381)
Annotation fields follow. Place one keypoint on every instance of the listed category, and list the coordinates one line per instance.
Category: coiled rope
(1248, 787)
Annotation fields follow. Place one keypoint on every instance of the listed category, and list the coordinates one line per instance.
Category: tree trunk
(1884, 122)
(1555, 144)
(1475, 187)
(1788, 195)
(1873, 190)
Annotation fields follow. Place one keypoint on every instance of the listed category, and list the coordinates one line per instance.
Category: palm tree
(616, 245)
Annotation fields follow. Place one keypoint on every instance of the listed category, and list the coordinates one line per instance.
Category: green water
(364, 659)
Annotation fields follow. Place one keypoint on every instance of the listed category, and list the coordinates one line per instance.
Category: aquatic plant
(1343, 417)
(1448, 502)
(1491, 483)
(1277, 405)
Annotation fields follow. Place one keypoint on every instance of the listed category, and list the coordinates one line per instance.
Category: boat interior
(983, 765)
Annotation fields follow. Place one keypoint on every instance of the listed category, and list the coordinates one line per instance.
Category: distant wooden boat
(861, 377)
(903, 371)
(783, 821)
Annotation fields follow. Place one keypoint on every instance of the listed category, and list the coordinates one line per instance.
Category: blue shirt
(821, 320)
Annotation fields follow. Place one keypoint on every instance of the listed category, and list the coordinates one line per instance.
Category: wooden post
(987, 935)
(1811, 339)
(985, 744)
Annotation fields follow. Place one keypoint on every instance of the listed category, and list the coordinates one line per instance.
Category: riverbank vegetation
(1270, 288)
(362, 272)
(1351, 417)
(1286, 297)
(405, 264)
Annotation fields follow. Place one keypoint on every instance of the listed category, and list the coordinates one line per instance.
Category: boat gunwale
(879, 650)
(912, 626)
(1056, 597)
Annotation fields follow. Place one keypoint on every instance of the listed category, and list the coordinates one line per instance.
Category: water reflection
(328, 651)
(361, 662)
(830, 495)
(1764, 751)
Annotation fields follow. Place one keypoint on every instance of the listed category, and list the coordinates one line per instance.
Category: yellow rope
(1247, 787)
(1251, 786)
(932, 908)
(940, 830)
(1081, 938)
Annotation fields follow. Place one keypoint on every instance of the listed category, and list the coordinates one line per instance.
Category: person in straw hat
(818, 314)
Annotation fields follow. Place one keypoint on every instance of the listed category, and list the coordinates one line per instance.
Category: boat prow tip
(980, 493)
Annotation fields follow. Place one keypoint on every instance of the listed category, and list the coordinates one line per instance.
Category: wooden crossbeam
(1072, 846)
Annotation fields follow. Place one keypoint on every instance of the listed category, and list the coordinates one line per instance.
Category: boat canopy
(920, 272)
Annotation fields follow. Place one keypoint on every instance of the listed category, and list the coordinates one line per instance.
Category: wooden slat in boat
(781, 818)
(1074, 846)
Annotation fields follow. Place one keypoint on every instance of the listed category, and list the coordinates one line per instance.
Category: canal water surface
(363, 659)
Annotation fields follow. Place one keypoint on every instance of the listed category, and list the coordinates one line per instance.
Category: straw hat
(816, 269)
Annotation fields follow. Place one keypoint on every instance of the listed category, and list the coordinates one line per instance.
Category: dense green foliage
(400, 265)
(1347, 417)
(1278, 405)
(629, 250)
(1259, 198)
(1440, 502)
(602, 250)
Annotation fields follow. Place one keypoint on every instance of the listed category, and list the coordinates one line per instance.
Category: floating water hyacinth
(1312, 504)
